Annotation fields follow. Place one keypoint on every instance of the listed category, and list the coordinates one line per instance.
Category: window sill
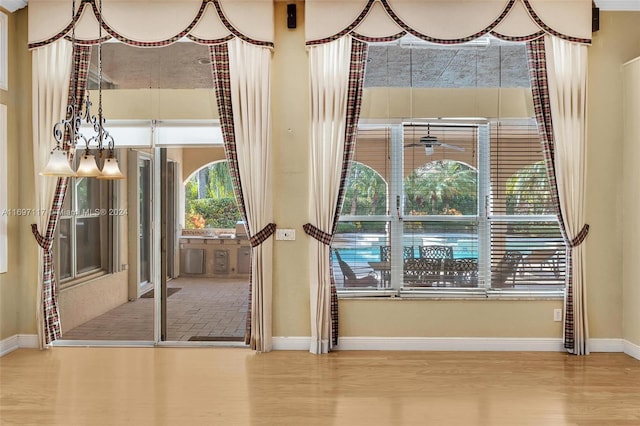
(452, 294)
(82, 280)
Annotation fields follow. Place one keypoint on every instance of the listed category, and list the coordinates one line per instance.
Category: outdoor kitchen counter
(215, 256)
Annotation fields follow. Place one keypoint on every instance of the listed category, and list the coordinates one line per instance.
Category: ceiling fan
(429, 142)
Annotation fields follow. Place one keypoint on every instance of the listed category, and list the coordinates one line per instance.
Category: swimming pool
(464, 246)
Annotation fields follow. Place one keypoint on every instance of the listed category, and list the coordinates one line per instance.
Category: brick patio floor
(209, 307)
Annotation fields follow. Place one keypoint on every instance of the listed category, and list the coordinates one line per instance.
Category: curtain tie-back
(318, 234)
(581, 236)
(262, 235)
(42, 241)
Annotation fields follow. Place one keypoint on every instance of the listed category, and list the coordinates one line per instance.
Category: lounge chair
(541, 260)
(350, 278)
(505, 269)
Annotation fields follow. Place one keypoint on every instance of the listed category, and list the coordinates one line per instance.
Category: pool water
(365, 254)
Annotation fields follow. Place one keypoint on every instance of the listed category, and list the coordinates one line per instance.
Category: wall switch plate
(557, 314)
(286, 234)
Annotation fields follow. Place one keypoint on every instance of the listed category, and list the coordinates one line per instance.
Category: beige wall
(146, 104)
(194, 158)
(614, 44)
(86, 301)
(9, 281)
(403, 103)
(18, 285)
(290, 107)
(448, 318)
(630, 222)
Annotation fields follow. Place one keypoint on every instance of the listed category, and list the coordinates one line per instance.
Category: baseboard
(425, 344)
(632, 349)
(606, 345)
(9, 344)
(282, 343)
(301, 343)
(449, 344)
(454, 344)
(18, 341)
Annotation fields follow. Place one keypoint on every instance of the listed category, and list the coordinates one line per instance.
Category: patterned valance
(447, 21)
(152, 23)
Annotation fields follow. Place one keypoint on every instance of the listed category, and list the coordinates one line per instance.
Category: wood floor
(234, 386)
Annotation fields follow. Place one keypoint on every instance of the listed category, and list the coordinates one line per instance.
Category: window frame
(4, 196)
(484, 218)
(4, 51)
(107, 214)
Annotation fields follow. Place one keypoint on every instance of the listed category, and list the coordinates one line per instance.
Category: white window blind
(440, 207)
(527, 249)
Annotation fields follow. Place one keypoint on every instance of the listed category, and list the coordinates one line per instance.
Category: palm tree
(220, 184)
(366, 184)
(528, 191)
(442, 187)
(202, 178)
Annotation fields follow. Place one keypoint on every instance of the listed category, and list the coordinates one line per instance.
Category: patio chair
(385, 253)
(422, 272)
(436, 252)
(350, 277)
(385, 256)
(506, 268)
(461, 272)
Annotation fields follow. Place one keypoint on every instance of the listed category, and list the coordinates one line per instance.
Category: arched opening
(209, 199)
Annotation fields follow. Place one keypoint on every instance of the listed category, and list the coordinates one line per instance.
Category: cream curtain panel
(250, 77)
(51, 73)
(242, 79)
(444, 21)
(153, 23)
(329, 66)
(567, 73)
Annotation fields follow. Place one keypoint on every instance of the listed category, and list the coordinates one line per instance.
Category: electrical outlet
(286, 234)
(557, 314)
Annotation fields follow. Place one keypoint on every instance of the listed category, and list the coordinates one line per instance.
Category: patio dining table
(384, 268)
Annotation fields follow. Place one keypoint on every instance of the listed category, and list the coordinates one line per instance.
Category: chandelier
(60, 161)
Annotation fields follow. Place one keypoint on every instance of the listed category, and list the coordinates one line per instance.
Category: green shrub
(217, 213)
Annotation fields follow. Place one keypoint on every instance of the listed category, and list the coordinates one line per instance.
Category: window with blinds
(460, 207)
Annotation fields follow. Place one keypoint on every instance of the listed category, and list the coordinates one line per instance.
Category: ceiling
(177, 66)
(186, 65)
(496, 65)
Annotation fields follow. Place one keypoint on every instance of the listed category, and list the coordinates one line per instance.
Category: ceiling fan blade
(414, 144)
(455, 147)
